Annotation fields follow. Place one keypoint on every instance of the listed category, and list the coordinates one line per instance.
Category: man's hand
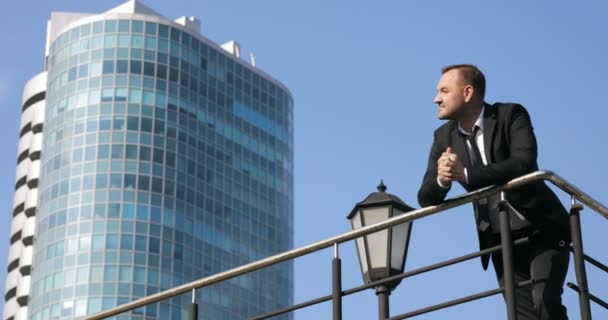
(450, 168)
(444, 168)
(457, 168)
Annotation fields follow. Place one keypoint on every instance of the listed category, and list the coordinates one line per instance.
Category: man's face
(450, 96)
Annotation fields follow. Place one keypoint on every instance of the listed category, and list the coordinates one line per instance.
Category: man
(483, 145)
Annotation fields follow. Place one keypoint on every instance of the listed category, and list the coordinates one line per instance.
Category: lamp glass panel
(356, 224)
(399, 244)
(377, 242)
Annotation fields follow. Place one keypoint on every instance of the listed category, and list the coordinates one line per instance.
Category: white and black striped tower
(26, 199)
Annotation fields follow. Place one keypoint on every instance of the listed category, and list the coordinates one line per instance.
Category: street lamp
(381, 254)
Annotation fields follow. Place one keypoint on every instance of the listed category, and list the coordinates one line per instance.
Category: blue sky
(363, 77)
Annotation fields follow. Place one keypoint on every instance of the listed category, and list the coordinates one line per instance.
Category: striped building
(25, 202)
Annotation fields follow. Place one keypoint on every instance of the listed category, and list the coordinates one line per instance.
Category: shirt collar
(478, 123)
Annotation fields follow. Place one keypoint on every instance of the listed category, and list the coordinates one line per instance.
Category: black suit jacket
(511, 151)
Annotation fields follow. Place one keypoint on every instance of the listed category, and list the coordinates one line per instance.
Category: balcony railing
(580, 257)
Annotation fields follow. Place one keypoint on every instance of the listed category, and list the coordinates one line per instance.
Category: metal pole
(594, 262)
(591, 296)
(194, 307)
(336, 276)
(455, 302)
(507, 257)
(383, 308)
(579, 262)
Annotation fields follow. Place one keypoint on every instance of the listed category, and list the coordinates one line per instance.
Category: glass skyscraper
(149, 156)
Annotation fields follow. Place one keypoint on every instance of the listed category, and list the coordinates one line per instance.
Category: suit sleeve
(522, 153)
(430, 192)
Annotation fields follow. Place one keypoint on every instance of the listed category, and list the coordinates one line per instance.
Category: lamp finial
(381, 187)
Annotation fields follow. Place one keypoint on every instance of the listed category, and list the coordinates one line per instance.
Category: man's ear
(468, 92)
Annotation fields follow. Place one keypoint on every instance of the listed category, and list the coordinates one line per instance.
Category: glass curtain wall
(164, 160)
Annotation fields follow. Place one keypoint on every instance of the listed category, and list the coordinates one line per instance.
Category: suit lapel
(489, 126)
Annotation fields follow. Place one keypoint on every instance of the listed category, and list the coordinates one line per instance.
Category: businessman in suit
(482, 145)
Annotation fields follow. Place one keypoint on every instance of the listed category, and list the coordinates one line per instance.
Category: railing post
(194, 307)
(507, 257)
(579, 262)
(336, 276)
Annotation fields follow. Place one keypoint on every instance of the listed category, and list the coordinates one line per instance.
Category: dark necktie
(483, 217)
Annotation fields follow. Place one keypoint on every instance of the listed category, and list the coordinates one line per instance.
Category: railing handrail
(410, 216)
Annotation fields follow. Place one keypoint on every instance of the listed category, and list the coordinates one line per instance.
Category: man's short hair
(471, 75)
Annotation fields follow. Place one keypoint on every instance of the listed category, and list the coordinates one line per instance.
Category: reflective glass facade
(165, 159)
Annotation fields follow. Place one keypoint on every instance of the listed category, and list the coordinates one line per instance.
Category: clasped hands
(450, 168)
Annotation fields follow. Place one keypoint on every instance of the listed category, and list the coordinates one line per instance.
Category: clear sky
(363, 76)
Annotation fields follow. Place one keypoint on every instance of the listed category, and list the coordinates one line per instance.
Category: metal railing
(508, 290)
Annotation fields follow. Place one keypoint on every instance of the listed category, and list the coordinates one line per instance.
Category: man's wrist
(443, 186)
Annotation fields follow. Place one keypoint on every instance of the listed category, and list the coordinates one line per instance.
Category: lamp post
(381, 254)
